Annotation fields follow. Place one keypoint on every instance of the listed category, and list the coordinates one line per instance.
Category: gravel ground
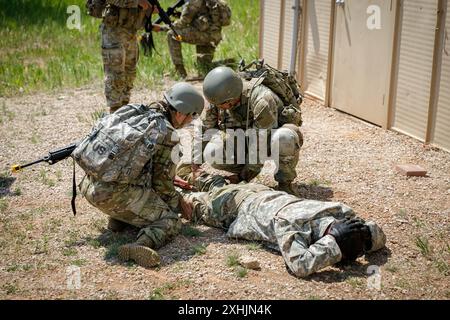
(343, 159)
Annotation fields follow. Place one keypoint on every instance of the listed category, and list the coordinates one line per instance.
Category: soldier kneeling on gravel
(310, 235)
(129, 170)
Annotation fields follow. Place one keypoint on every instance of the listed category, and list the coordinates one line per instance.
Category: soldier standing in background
(121, 21)
(200, 24)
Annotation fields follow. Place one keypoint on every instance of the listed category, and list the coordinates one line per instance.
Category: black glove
(352, 237)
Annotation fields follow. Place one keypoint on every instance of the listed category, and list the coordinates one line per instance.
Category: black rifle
(52, 158)
(146, 40)
(172, 11)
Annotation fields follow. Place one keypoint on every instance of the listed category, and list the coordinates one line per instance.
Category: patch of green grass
(17, 191)
(192, 232)
(355, 282)
(315, 182)
(70, 252)
(392, 268)
(13, 268)
(6, 114)
(35, 138)
(419, 223)
(79, 262)
(254, 246)
(3, 205)
(161, 292)
(313, 297)
(42, 246)
(199, 249)
(96, 115)
(39, 52)
(424, 246)
(45, 179)
(233, 259)
(442, 266)
(10, 288)
(94, 243)
(241, 272)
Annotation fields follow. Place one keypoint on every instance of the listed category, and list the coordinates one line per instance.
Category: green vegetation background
(38, 52)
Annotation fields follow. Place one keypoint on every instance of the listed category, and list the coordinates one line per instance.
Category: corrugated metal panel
(288, 34)
(442, 128)
(318, 19)
(419, 18)
(271, 30)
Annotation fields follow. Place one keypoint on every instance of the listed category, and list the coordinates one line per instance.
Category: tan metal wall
(415, 65)
(288, 31)
(314, 63)
(271, 28)
(362, 60)
(442, 124)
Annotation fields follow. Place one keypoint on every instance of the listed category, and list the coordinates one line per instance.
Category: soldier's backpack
(284, 85)
(95, 8)
(120, 146)
(220, 12)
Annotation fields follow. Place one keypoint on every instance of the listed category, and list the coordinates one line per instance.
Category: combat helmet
(222, 84)
(184, 98)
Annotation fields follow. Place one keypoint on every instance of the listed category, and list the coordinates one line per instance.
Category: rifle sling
(74, 191)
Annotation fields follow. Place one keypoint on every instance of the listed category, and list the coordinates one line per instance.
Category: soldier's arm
(209, 117)
(265, 104)
(188, 13)
(302, 257)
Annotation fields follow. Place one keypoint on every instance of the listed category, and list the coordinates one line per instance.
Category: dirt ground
(343, 159)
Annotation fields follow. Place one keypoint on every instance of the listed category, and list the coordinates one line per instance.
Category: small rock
(249, 263)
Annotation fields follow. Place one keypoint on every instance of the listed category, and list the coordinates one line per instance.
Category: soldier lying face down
(310, 235)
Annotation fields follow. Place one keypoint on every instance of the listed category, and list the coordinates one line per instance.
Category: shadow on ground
(313, 192)
(5, 185)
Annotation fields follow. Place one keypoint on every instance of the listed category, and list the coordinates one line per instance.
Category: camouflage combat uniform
(293, 226)
(196, 27)
(151, 203)
(265, 107)
(121, 21)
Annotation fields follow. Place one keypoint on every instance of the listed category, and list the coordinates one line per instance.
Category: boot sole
(143, 256)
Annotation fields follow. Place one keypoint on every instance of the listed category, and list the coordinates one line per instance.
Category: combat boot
(286, 186)
(140, 252)
(115, 225)
(181, 71)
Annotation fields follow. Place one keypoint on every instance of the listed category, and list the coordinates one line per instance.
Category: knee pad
(288, 140)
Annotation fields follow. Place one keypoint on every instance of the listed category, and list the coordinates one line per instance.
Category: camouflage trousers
(120, 54)
(206, 43)
(135, 205)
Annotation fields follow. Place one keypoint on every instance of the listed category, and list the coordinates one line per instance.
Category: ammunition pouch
(289, 114)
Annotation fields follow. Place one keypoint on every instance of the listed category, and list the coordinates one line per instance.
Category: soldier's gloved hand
(351, 237)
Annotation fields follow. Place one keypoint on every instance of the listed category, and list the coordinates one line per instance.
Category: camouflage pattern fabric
(196, 27)
(120, 52)
(264, 107)
(151, 205)
(284, 222)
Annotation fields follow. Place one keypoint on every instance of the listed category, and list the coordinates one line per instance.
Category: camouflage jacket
(196, 14)
(125, 14)
(261, 104)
